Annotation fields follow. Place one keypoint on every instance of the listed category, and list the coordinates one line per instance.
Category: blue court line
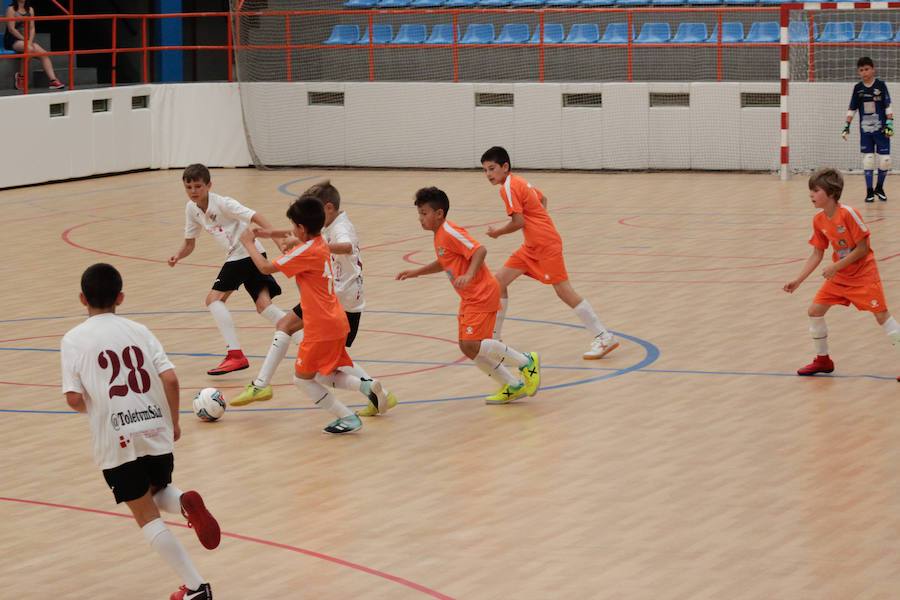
(283, 188)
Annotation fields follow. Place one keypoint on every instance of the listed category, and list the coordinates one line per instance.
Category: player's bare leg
(504, 276)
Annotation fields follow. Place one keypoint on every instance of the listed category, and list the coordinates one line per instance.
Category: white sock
(819, 332)
(340, 380)
(168, 500)
(297, 337)
(501, 316)
(225, 324)
(168, 546)
(892, 329)
(587, 315)
(281, 343)
(496, 371)
(497, 350)
(321, 397)
(356, 371)
(272, 314)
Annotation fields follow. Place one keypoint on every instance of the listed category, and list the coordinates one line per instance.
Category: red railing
(290, 49)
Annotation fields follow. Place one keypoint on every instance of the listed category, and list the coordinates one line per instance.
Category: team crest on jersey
(469, 330)
(440, 251)
(841, 229)
(842, 243)
(873, 302)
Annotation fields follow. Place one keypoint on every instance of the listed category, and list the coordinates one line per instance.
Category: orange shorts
(547, 268)
(869, 296)
(476, 325)
(322, 357)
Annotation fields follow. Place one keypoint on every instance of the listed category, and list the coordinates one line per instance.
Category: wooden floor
(689, 464)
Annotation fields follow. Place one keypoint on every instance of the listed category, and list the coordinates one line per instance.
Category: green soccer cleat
(531, 373)
(344, 425)
(252, 393)
(507, 394)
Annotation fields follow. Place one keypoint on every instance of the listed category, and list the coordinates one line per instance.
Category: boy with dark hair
(225, 218)
(462, 258)
(322, 352)
(853, 276)
(876, 126)
(117, 372)
(343, 242)
(541, 255)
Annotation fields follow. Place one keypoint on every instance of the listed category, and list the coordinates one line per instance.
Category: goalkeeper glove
(845, 133)
(889, 127)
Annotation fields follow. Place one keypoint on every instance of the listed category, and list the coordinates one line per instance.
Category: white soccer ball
(209, 404)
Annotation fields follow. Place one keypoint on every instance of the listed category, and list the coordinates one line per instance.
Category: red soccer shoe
(234, 361)
(204, 592)
(822, 364)
(202, 522)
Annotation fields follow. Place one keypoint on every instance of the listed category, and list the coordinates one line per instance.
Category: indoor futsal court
(691, 463)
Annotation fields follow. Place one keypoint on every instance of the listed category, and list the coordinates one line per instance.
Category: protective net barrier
(825, 45)
(278, 47)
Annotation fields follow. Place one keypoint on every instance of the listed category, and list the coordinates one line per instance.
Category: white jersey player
(117, 372)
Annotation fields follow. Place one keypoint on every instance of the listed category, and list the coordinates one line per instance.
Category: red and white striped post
(785, 70)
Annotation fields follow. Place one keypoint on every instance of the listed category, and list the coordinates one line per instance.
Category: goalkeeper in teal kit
(876, 126)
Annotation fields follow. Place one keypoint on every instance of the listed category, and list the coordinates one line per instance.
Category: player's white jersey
(348, 282)
(225, 218)
(115, 364)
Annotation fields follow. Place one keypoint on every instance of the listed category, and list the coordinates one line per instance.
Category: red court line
(67, 238)
(246, 538)
(625, 221)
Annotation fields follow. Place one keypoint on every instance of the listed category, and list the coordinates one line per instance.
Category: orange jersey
(519, 197)
(454, 248)
(323, 315)
(843, 232)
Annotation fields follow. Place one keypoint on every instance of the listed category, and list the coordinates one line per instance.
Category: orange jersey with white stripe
(843, 232)
(310, 264)
(454, 248)
(519, 197)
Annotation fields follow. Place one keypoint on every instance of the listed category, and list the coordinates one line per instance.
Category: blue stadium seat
(460, 3)
(427, 3)
(732, 32)
(654, 33)
(667, 2)
(411, 33)
(583, 33)
(838, 31)
(704, 2)
(513, 33)
(563, 3)
(878, 31)
(441, 33)
(740, 2)
(762, 32)
(632, 2)
(493, 3)
(526, 3)
(594, 3)
(897, 37)
(393, 3)
(478, 33)
(773, 1)
(798, 31)
(690, 33)
(360, 3)
(383, 34)
(344, 34)
(553, 34)
(616, 33)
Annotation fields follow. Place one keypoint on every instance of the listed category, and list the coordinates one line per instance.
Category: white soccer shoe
(601, 346)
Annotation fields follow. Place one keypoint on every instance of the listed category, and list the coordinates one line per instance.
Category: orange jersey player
(541, 255)
(462, 259)
(322, 350)
(852, 277)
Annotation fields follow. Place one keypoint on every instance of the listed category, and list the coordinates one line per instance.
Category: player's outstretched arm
(258, 219)
(811, 263)
(173, 392)
(186, 248)
(341, 248)
(428, 269)
(516, 222)
(76, 401)
(264, 266)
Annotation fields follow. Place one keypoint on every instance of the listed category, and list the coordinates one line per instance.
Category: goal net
(826, 40)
